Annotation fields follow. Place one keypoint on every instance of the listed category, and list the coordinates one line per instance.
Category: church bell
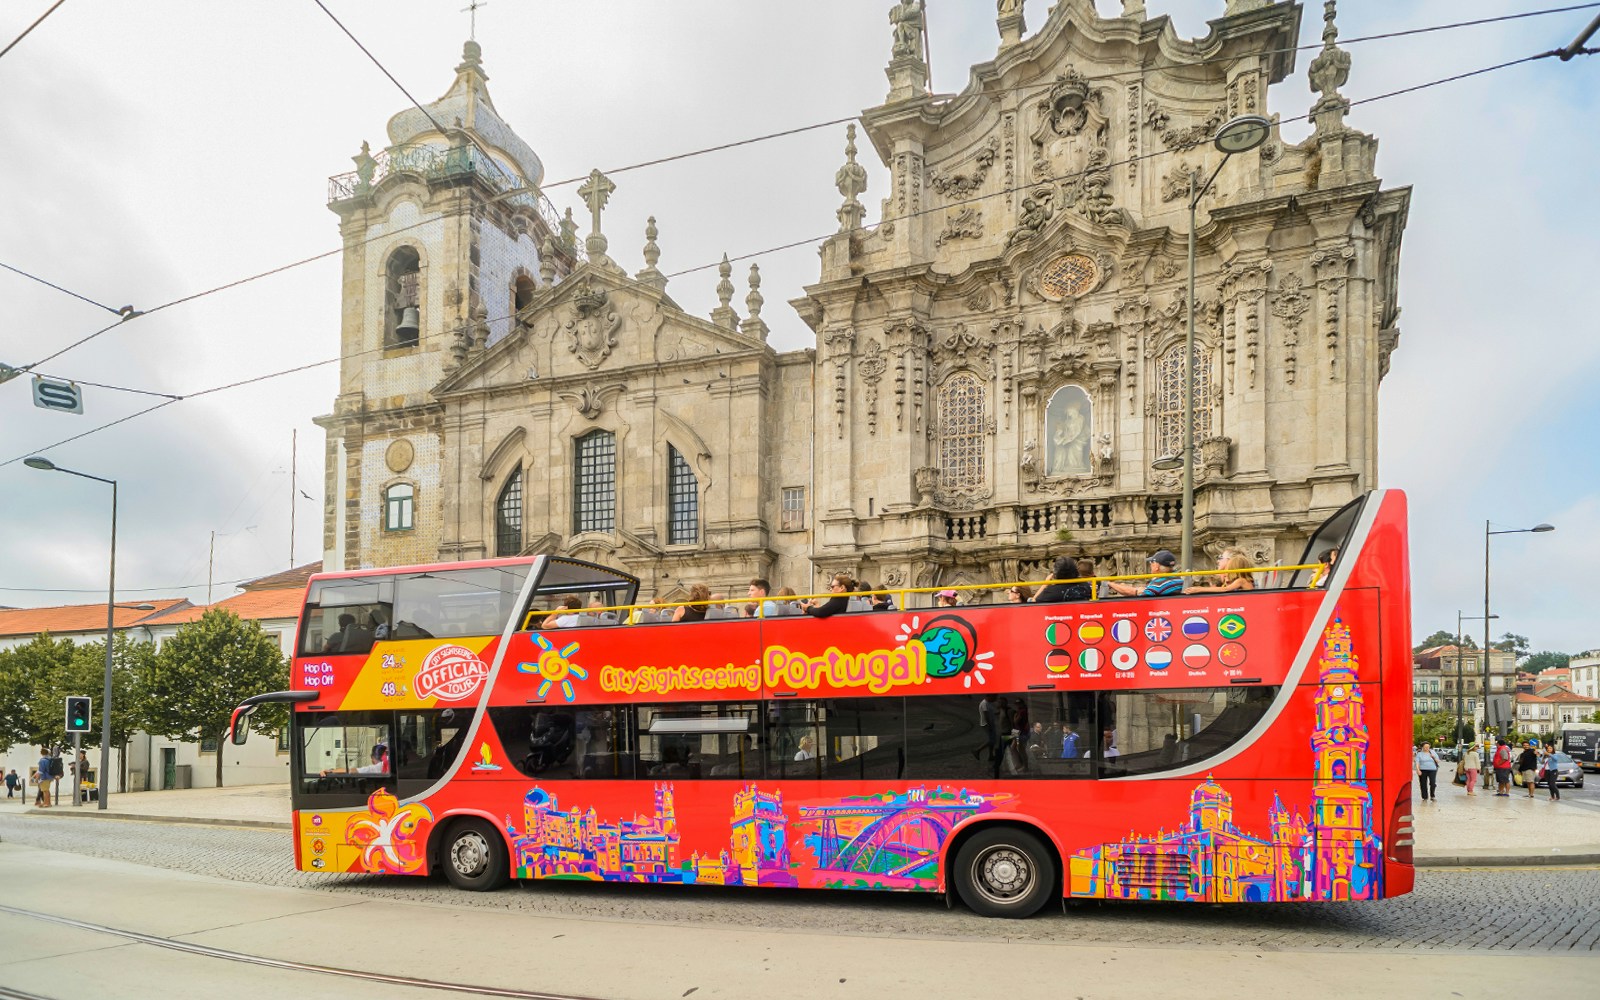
(408, 322)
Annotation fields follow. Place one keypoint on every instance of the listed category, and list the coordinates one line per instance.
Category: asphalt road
(1535, 909)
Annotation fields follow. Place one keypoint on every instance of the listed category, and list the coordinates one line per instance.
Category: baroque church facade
(999, 359)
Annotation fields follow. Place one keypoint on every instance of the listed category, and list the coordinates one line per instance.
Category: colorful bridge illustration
(890, 840)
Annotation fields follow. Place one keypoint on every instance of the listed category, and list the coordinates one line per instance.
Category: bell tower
(446, 237)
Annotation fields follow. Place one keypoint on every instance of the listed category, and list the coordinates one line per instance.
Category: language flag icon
(1158, 657)
(1196, 628)
(1122, 630)
(1158, 629)
(1231, 626)
(1231, 654)
(1196, 656)
(1090, 660)
(1124, 658)
(1056, 634)
(1057, 661)
(1091, 632)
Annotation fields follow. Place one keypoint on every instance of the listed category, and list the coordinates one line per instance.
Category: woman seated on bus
(694, 612)
(837, 603)
(567, 615)
(1020, 594)
(1233, 573)
(1058, 590)
(808, 749)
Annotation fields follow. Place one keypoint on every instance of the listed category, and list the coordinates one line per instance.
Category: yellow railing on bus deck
(899, 593)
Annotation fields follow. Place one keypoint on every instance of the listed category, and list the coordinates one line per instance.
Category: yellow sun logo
(555, 667)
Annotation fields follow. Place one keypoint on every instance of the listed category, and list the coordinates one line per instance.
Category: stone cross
(595, 192)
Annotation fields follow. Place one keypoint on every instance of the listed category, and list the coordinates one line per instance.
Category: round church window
(1066, 276)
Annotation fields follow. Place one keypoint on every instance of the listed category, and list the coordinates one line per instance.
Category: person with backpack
(1502, 769)
(42, 798)
(1427, 768)
(12, 782)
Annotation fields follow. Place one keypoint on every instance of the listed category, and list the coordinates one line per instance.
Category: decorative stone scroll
(1290, 305)
(1332, 266)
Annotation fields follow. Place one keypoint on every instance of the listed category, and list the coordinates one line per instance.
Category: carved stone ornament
(1214, 453)
(1290, 305)
(1089, 195)
(590, 400)
(967, 183)
(1159, 121)
(399, 456)
(870, 366)
(592, 324)
(1037, 209)
(926, 480)
(964, 224)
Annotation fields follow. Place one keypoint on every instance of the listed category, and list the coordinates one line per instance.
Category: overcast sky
(157, 149)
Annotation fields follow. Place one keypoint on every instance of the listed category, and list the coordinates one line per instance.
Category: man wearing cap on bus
(1159, 586)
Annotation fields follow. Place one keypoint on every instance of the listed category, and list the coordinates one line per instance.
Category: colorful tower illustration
(760, 838)
(1346, 854)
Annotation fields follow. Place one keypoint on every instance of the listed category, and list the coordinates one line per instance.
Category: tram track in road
(228, 955)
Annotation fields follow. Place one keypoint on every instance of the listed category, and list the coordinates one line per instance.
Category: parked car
(1568, 770)
(1448, 753)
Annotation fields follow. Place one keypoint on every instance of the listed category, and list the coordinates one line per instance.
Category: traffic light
(78, 715)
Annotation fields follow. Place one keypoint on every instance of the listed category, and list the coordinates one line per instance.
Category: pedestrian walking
(42, 799)
(1502, 769)
(1528, 767)
(1426, 766)
(1472, 764)
(12, 781)
(1551, 772)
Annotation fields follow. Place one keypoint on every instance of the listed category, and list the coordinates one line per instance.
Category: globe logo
(951, 644)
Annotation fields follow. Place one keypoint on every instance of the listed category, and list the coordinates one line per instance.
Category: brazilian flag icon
(1231, 626)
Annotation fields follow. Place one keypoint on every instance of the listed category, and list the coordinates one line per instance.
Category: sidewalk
(1455, 831)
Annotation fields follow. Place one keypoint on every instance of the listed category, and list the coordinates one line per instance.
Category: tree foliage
(1545, 660)
(1443, 638)
(29, 676)
(203, 672)
(1513, 643)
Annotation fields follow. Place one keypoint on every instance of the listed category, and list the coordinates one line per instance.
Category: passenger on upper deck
(1057, 591)
(1323, 573)
(694, 612)
(759, 607)
(945, 599)
(1020, 594)
(568, 616)
(1233, 573)
(1159, 586)
(836, 604)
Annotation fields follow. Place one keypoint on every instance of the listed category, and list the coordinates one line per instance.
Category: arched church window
(508, 517)
(399, 507)
(522, 292)
(1170, 396)
(962, 413)
(595, 482)
(683, 501)
(402, 319)
(1068, 431)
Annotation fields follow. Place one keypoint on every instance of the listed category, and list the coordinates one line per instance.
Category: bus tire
(1004, 871)
(475, 856)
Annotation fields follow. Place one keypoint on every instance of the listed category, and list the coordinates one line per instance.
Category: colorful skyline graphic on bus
(887, 841)
(1333, 855)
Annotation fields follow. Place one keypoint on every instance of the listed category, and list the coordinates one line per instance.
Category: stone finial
(569, 231)
(851, 181)
(1330, 70)
(1009, 20)
(595, 192)
(723, 315)
(1134, 9)
(754, 326)
(547, 262)
(652, 254)
(908, 73)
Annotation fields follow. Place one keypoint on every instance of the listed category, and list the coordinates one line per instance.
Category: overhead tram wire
(36, 22)
(744, 142)
(64, 291)
(786, 246)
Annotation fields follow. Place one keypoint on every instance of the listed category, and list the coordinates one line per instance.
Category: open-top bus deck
(1241, 746)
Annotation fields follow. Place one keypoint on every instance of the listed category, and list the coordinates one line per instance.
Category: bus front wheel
(1004, 872)
(475, 856)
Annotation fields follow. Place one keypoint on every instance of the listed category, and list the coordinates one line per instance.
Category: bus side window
(865, 738)
(426, 744)
(1144, 732)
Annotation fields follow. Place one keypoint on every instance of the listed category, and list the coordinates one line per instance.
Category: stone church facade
(998, 360)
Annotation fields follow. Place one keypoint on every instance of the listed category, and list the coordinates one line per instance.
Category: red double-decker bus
(1234, 747)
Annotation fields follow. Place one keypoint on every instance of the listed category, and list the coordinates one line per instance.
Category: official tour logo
(450, 673)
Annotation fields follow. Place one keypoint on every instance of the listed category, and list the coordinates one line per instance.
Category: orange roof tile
(294, 579)
(252, 605)
(68, 619)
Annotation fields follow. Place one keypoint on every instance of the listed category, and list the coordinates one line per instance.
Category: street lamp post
(1461, 682)
(1236, 136)
(104, 784)
(1488, 703)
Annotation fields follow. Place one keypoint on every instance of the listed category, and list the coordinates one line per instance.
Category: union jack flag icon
(1158, 629)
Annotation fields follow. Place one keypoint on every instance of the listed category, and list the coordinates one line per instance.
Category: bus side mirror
(239, 727)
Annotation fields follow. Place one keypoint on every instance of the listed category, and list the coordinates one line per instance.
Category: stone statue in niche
(907, 20)
(1069, 431)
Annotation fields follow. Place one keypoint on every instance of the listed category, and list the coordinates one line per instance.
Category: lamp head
(1166, 463)
(39, 462)
(1543, 527)
(1242, 134)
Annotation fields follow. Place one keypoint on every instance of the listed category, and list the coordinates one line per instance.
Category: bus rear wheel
(1004, 872)
(475, 856)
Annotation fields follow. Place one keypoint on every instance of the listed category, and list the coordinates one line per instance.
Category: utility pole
(211, 565)
(294, 485)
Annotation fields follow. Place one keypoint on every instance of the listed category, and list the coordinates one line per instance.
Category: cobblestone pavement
(1545, 909)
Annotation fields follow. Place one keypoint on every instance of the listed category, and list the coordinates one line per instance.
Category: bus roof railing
(902, 593)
